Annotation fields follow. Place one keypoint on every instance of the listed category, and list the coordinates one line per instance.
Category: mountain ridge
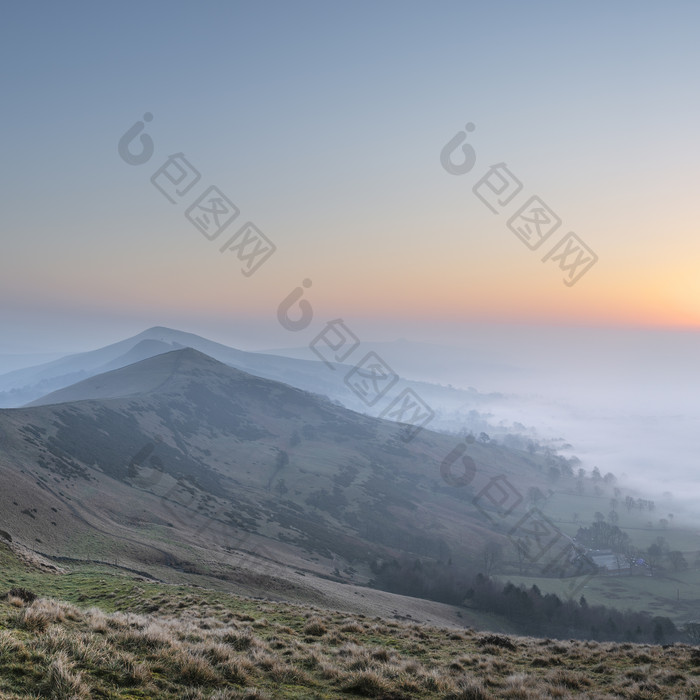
(182, 432)
(24, 386)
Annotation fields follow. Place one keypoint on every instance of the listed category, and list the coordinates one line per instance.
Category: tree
(535, 495)
(491, 555)
(677, 561)
(554, 474)
(602, 535)
(659, 633)
(282, 460)
(599, 517)
(692, 630)
(566, 469)
(621, 560)
(522, 551)
(654, 555)
(613, 517)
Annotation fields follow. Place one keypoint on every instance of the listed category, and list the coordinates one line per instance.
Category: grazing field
(676, 596)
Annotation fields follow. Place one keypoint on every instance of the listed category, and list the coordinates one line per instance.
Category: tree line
(529, 610)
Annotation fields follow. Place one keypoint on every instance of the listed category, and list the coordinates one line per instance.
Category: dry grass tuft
(368, 684)
(240, 641)
(315, 627)
(469, 689)
(62, 682)
(40, 614)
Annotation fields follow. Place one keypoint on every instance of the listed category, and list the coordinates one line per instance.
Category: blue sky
(323, 122)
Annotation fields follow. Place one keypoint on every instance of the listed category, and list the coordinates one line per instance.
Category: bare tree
(491, 555)
(522, 554)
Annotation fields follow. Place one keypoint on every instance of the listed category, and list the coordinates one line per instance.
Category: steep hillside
(179, 453)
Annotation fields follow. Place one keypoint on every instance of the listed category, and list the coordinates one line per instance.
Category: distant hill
(180, 451)
(9, 362)
(453, 408)
(25, 385)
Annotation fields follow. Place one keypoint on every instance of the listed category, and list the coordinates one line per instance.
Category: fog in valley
(624, 399)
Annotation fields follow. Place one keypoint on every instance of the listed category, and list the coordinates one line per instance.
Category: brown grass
(55, 650)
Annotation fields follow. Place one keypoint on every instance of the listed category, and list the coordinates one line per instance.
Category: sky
(382, 158)
(324, 124)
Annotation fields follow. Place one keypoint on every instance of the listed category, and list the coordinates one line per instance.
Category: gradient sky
(324, 122)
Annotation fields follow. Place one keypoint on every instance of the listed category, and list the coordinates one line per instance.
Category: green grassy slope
(124, 638)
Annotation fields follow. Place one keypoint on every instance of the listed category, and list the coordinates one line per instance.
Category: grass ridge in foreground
(236, 647)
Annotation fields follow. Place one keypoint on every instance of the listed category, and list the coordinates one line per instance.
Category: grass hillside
(183, 459)
(196, 644)
(93, 634)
